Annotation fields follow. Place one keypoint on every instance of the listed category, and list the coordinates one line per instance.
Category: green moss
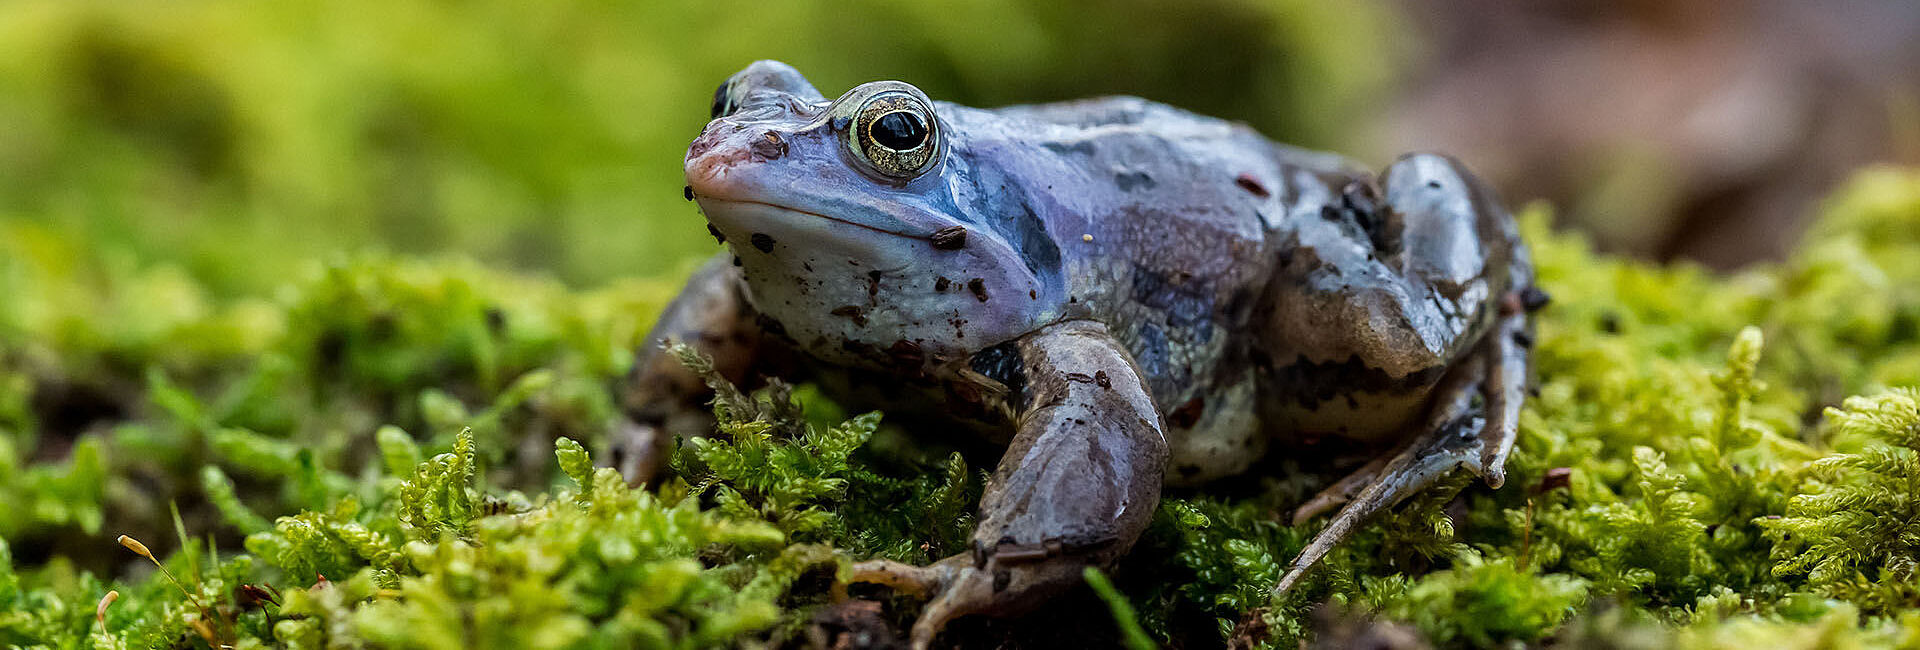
(1709, 461)
(1853, 530)
(1480, 602)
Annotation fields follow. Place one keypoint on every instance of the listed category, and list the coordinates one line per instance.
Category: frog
(1128, 296)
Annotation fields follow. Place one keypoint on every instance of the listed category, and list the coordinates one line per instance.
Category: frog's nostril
(769, 146)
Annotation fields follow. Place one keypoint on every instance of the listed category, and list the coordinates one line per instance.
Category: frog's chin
(861, 296)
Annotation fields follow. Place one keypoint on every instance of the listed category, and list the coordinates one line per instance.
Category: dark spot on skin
(1001, 579)
(1152, 354)
(940, 283)
(687, 191)
(762, 241)
(768, 146)
(1128, 181)
(1188, 414)
(950, 238)
(1033, 294)
(1533, 298)
(1029, 234)
(979, 288)
(873, 283)
(1251, 185)
(1433, 184)
(807, 265)
(1360, 203)
(1100, 377)
(1188, 306)
(716, 234)
(1610, 323)
(736, 260)
(1523, 339)
(1002, 363)
(1082, 147)
(1311, 384)
(858, 315)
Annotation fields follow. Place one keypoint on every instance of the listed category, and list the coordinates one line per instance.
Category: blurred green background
(236, 239)
(229, 224)
(240, 141)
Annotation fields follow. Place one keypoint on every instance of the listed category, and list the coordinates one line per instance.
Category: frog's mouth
(705, 202)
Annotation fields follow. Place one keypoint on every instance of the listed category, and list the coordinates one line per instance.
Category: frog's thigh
(1225, 437)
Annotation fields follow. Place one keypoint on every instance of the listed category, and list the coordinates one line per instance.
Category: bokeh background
(239, 140)
(237, 238)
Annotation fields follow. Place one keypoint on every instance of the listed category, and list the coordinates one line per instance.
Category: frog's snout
(726, 148)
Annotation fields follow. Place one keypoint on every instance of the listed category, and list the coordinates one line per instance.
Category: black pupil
(899, 131)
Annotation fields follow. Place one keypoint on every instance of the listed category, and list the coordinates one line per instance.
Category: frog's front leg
(1076, 487)
(661, 397)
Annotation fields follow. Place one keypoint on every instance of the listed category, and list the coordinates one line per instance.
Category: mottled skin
(1126, 293)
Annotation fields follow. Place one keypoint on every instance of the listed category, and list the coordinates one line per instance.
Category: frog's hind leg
(1461, 431)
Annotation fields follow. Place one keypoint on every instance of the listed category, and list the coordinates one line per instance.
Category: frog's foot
(1458, 433)
(1077, 486)
(1012, 581)
(1340, 492)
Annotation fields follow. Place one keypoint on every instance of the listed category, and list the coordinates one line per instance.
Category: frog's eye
(895, 134)
(723, 104)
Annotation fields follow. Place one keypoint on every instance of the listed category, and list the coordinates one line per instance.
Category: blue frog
(1126, 294)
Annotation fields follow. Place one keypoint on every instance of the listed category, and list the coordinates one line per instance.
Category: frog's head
(856, 222)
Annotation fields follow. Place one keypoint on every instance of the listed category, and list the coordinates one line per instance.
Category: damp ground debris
(394, 451)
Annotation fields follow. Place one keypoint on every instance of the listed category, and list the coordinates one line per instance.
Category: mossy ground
(1714, 461)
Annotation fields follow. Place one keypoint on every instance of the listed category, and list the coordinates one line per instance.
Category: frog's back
(1163, 220)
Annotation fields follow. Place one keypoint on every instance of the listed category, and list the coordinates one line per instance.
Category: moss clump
(1854, 529)
(1479, 602)
(1691, 473)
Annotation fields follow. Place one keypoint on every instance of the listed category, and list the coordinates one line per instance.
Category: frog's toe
(955, 587)
(1472, 425)
(1340, 492)
(918, 581)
